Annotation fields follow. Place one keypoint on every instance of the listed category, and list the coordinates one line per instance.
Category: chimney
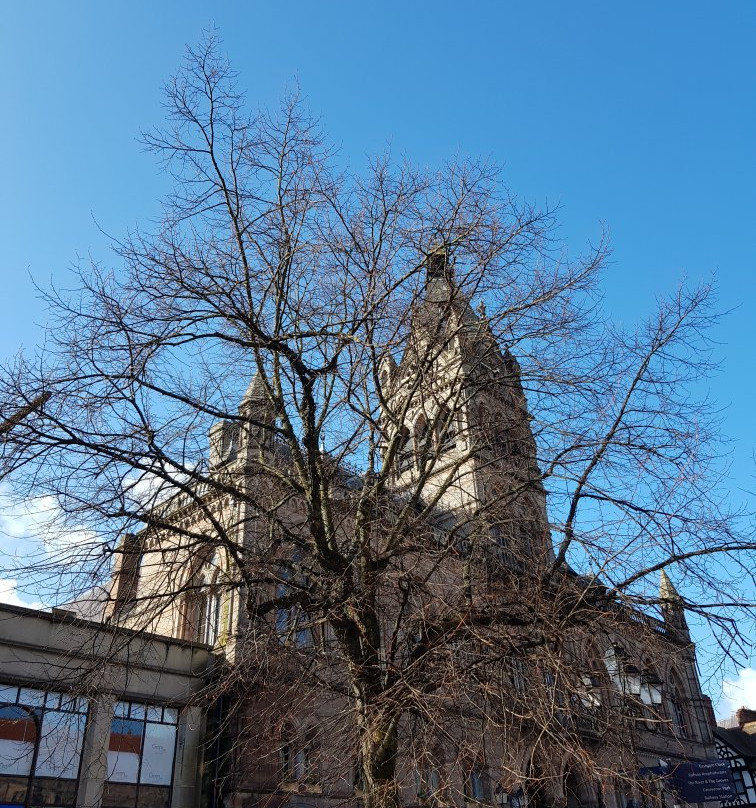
(126, 573)
(746, 720)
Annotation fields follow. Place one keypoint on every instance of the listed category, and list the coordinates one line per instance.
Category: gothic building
(454, 423)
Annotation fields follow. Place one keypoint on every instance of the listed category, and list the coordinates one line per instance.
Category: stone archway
(580, 794)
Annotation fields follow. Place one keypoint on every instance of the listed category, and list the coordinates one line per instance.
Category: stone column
(187, 769)
(94, 755)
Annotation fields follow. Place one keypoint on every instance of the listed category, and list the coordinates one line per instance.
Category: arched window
(428, 781)
(613, 662)
(293, 625)
(202, 604)
(286, 754)
(476, 784)
(650, 687)
(209, 629)
(306, 758)
(484, 424)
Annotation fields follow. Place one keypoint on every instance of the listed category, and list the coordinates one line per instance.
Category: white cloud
(147, 489)
(39, 521)
(9, 594)
(33, 532)
(740, 692)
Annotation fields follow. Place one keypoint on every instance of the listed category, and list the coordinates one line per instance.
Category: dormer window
(224, 443)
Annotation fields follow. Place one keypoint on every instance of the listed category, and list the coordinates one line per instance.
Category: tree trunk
(378, 750)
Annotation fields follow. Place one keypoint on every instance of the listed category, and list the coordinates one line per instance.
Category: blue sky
(638, 116)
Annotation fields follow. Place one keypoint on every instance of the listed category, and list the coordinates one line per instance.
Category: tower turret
(242, 438)
(439, 275)
(258, 417)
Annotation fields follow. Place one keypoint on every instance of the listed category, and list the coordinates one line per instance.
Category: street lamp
(631, 680)
(651, 689)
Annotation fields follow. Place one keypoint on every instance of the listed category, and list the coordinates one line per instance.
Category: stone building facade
(465, 438)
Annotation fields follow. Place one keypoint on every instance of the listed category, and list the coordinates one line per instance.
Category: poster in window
(18, 734)
(60, 745)
(124, 750)
(159, 745)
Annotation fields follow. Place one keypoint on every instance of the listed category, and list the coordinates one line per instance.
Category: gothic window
(650, 688)
(428, 780)
(293, 624)
(589, 691)
(484, 423)
(475, 785)
(639, 685)
(231, 442)
(443, 532)
(306, 759)
(422, 446)
(286, 755)
(613, 663)
(202, 604)
(677, 708)
(298, 756)
(446, 429)
(210, 621)
(224, 440)
(514, 674)
(513, 442)
(405, 455)
(358, 776)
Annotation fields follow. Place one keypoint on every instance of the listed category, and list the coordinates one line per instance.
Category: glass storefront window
(140, 756)
(41, 738)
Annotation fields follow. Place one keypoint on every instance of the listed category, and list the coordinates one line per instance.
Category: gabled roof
(742, 742)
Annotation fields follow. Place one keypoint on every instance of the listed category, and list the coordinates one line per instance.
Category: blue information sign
(703, 781)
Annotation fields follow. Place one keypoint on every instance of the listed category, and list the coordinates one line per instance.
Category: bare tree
(371, 521)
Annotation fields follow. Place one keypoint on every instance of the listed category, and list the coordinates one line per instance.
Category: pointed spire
(667, 591)
(255, 391)
(256, 403)
(672, 606)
